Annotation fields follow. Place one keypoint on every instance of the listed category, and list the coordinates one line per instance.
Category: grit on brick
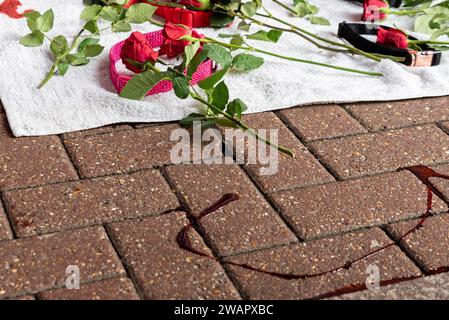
(396, 114)
(162, 269)
(87, 202)
(36, 264)
(343, 206)
(4, 127)
(428, 245)
(316, 257)
(373, 153)
(96, 131)
(321, 122)
(28, 162)
(5, 230)
(109, 289)
(307, 169)
(247, 224)
(121, 151)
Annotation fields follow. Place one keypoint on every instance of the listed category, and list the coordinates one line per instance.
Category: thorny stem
(241, 125)
(303, 33)
(248, 48)
(51, 73)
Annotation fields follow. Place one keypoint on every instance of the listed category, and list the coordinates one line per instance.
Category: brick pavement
(110, 201)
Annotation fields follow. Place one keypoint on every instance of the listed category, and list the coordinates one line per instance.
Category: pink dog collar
(155, 39)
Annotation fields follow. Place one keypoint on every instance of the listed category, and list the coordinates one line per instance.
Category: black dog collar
(352, 32)
(393, 3)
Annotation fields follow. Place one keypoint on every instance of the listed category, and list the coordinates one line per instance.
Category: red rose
(130, 3)
(137, 48)
(172, 45)
(371, 10)
(392, 37)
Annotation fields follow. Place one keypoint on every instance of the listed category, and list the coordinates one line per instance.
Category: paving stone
(28, 297)
(320, 256)
(49, 162)
(122, 151)
(429, 244)
(441, 184)
(427, 288)
(247, 224)
(96, 131)
(165, 271)
(4, 126)
(303, 170)
(75, 204)
(5, 230)
(110, 289)
(445, 126)
(36, 264)
(343, 206)
(366, 154)
(321, 122)
(396, 114)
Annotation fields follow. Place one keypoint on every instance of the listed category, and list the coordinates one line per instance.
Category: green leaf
(219, 54)
(59, 45)
(220, 95)
(110, 13)
(62, 68)
(248, 9)
(319, 20)
(140, 13)
(247, 62)
(270, 36)
(87, 42)
(190, 52)
(220, 20)
(91, 12)
(196, 61)
(31, 19)
(181, 87)
(77, 60)
(33, 39)
(121, 26)
(193, 117)
(91, 26)
(213, 79)
(93, 50)
(243, 26)
(236, 107)
(120, 3)
(32, 15)
(236, 40)
(139, 85)
(44, 23)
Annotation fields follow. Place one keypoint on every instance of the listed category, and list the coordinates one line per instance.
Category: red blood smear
(423, 173)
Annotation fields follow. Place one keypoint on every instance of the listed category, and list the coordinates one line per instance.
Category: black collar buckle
(352, 32)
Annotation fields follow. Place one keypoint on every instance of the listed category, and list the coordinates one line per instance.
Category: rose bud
(196, 4)
(173, 44)
(372, 10)
(392, 37)
(137, 49)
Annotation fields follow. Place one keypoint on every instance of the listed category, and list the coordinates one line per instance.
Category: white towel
(85, 98)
